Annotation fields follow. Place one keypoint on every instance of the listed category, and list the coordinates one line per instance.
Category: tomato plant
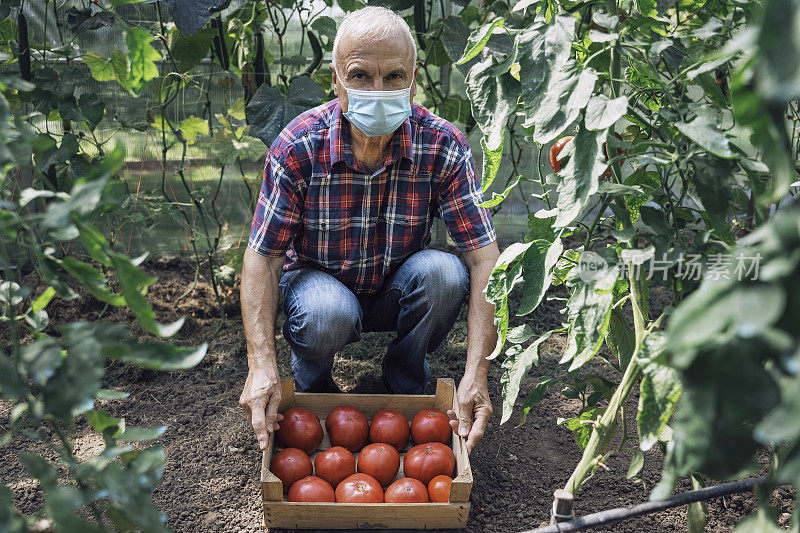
(667, 168)
(291, 464)
(430, 425)
(311, 489)
(391, 427)
(426, 461)
(347, 427)
(334, 465)
(380, 461)
(359, 488)
(439, 489)
(300, 428)
(406, 490)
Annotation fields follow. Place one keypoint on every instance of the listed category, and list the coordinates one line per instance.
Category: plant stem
(606, 427)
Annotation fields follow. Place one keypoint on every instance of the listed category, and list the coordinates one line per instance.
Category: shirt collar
(339, 139)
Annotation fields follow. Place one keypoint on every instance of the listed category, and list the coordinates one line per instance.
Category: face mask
(377, 113)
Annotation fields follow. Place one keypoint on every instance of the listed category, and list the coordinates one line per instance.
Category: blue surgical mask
(377, 113)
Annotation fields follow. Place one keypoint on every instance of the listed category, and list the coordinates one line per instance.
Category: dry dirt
(211, 479)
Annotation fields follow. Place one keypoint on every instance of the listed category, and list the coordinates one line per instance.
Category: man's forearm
(481, 331)
(259, 299)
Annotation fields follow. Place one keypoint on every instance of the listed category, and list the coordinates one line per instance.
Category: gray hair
(376, 22)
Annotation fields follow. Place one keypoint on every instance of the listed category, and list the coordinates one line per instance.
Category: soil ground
(211, 478)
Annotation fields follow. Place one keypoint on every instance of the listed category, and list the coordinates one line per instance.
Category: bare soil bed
(211, 478)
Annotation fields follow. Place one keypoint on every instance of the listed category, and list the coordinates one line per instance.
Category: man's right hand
(260, 400)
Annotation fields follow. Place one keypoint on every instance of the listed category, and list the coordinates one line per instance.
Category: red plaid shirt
(321, 207)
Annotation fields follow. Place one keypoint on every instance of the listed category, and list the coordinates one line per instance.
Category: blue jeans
(420, 302)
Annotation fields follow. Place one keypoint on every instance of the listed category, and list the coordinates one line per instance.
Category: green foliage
(680, 140)
(53, 376)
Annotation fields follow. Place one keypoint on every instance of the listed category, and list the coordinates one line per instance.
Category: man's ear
(414, 83)
(333, 80)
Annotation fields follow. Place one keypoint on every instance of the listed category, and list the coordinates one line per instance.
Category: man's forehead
(356, 49)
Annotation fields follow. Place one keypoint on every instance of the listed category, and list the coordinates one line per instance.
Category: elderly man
(341, 227)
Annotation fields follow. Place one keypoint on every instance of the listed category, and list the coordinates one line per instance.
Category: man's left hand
(475, 409)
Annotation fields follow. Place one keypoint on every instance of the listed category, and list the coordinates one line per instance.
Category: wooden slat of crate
(280, 513)
(296, 515)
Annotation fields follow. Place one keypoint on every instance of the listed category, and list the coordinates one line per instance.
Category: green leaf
(588, 310)
(496, 198)
(11, 384)
(520, 334)
(135, 434)
(515, 368)
(190, 17)
(544, 51)
(192, 127)
(493, 94)
(39, 468)
(580, 427)
(142, 56)
(537, 265)
(110, 394)
(536, 395)
(620, 337)
(580, 178)
(707, 135)
(491, 164)
(68, 148)
(697, 512)
(268, 112)
(10, 519)
(11, 294)
(92, 279)
(568, 91)
(71, 390)
(106, 69)
(602, 113)
(157, 356)
(660, 390)
(713, 314)
(189, 50)
(92, 109)
(454, 37)
(637, 462)
(132, 282)
(478, 40)
(101, 421)
(40, 360)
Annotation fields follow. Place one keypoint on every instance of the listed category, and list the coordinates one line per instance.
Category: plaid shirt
(321, 207)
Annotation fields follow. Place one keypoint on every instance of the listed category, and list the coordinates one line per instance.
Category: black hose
(623, 513)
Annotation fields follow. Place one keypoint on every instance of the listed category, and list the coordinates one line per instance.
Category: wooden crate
(303, 515)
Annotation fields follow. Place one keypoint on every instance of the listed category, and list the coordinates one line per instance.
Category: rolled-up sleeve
(278, 212)
(469, 225)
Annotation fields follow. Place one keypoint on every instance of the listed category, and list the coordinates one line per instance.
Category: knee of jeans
(322, 329)
(445, 278)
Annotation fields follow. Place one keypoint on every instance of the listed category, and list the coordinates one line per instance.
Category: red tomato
(359, 488)
(555, 150)
(311, 489)
(347, 427)
(335, 464)
(289, 465)
(391, 427)
(430, 425)
(380, 461)
(300, 428)
(607, 172)
(406, 490)
(439, 489)
(426, 461)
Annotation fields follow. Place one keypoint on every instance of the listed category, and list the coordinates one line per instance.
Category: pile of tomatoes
(336, 476)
